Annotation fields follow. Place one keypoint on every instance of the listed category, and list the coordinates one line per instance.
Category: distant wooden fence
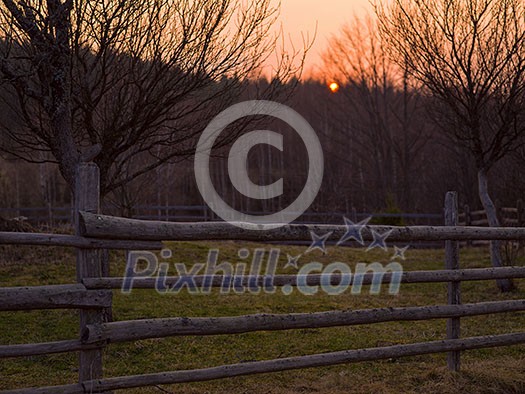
(93, 294)
(202, 213)
(508, 216)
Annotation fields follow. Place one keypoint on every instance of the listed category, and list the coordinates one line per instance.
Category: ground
(498, 370)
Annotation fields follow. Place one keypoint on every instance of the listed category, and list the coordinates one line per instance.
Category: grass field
(498, 370)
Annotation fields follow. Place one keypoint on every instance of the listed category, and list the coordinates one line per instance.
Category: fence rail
(107, 227)
(92, 294)
(282, 364)
(38, 349)
(135, 330)
(201, 213)
(40, 239)
(52, 297)
(510, 216)
(462, 275)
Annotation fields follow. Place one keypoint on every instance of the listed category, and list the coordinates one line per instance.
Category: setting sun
(334, 87)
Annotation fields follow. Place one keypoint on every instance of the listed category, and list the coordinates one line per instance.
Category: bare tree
(111, 80)
(380, 111)
(470, 55)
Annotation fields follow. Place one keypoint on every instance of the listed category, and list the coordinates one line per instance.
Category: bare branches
(470, 55)
(129, 75)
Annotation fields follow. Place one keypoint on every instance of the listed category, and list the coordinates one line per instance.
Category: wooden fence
(508, 217)
(201, 213)
(93, 294)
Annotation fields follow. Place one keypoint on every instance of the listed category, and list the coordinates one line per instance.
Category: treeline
(382, 154)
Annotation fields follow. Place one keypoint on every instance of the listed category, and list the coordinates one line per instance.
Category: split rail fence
(508, 217)
(51, 216)
(92, 294)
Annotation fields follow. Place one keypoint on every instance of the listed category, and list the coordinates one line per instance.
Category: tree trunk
(504, 285)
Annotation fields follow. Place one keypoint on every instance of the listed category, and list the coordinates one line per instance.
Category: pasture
(495, 370)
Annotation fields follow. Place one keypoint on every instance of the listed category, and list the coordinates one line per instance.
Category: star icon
(318, 242)
(400, 252)
(379, 240)
(292, 261)
(354, 231)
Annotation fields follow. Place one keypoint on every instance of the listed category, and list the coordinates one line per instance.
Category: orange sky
(300, 17)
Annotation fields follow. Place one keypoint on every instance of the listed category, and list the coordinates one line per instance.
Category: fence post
(520, 218)
(454, 290)
(500, 213)
(468, 221)
(89, 264)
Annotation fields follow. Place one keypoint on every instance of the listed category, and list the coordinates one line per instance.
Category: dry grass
(500, 370)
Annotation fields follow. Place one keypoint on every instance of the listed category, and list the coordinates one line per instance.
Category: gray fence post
(468, 220)
(89, 264)
(454, 290)
(500, 214)
(520, 218)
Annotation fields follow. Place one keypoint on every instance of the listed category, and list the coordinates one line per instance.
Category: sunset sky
(301, 16)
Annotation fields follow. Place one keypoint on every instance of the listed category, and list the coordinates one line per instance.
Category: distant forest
(382, 154)
(410, 115)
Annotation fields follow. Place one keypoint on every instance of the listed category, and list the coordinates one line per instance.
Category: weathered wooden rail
(202, 213)
(282, 364)
(460, 275)
(181, 326)
(53, 297)
(92, 294)
(39, 239)
(108, 227)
